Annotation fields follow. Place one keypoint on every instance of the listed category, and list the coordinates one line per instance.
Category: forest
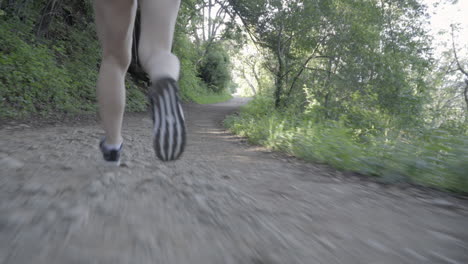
(355, 84)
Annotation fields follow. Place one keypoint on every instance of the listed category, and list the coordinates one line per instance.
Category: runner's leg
(114, 24)
(158, 18)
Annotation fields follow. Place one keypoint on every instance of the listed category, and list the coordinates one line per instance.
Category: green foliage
(353, 88)
(136, 97)
(214, 68)
(345, 54)
(211, 98)
(192, 88)
(56, 74)
(49, 60)
(29, 80)
(205, 71)
(431, 157)
(190, 84)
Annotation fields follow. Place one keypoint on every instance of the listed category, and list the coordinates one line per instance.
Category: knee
(120, 59)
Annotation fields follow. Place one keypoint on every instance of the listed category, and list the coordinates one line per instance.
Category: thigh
(158, 19)
(114, 25)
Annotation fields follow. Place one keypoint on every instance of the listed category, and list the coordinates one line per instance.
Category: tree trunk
(280, 71)
(465, 93)
(278, 89)
(259, 83)
(248, 82)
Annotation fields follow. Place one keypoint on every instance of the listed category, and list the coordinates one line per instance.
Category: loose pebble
(10, 163)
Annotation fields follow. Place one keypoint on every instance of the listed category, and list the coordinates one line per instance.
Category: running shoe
(169, 134)
(111, 156)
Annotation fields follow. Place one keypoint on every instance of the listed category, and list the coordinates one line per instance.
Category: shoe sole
(168, 119)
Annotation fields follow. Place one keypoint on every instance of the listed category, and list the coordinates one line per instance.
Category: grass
(212, 98)
(200, 95)
(433, 158)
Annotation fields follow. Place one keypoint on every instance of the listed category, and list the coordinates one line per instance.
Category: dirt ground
(223, 202)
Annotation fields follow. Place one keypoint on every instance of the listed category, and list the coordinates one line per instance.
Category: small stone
(66, 167)
(444, 258)
(372, 185)
(62, 130)
(147, 120)
(94, 188)
(442, 203)
(126, 164)
(445, 237)
(377, 245)
(77, 213)
(62, 205)
(32, 187)
(42, 158)
(415, 254)
(20, 217)
(108, 178)
(10, 163)
(327, 243)
(128, 138)
(203, 205)
(50, 216)
(145, 164)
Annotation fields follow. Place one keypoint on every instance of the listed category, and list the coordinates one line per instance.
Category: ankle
(115, 145)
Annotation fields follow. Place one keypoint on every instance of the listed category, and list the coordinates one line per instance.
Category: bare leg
(158, 18)
(114, 24)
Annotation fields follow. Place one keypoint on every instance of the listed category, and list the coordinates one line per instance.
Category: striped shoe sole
(168, 119)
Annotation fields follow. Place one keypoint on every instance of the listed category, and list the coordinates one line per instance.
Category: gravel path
(223, 202)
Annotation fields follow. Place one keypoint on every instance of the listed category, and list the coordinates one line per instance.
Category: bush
(29, 76)
(41, 76)
(215, 68)
(192, 87)
(57, 72)
(431, 157)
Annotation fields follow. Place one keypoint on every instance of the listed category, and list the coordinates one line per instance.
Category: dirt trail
(223, 202)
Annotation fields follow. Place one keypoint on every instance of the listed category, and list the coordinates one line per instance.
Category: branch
(465, 93)
(312, 56)
(248, 82)
(455, 53)
(215, 28)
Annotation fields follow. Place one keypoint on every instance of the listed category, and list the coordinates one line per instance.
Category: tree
(279, 26)
(349, 55)
(461, 69)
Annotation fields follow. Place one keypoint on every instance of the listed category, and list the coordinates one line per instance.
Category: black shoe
(111, 156)
(168, 119)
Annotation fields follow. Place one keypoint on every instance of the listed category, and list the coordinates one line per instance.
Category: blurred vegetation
(50, 56)
(433, 157)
